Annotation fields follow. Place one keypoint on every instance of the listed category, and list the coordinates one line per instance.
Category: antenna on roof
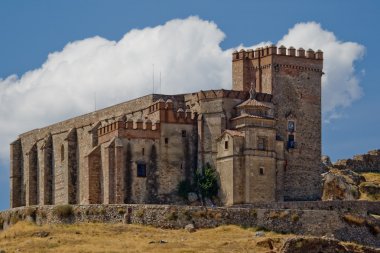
(153, 80)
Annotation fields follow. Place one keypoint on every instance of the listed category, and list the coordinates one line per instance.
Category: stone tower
(292, 79)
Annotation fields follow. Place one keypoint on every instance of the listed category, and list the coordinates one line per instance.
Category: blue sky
(31, 30)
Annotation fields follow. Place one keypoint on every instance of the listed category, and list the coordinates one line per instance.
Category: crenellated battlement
(273, 50)
(165, 111)
(137, 124)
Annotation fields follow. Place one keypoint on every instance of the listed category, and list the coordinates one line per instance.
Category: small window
(62, 152)
(183, 133)
(143, 151)
(291, 142)
(291, 126)
(262, 143)
(226, 145)
(141, 170)
(261, 171)
(166, 140)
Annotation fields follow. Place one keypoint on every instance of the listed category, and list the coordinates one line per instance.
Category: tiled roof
(255, 103)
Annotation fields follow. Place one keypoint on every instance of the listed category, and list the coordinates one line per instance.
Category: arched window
(62, 152)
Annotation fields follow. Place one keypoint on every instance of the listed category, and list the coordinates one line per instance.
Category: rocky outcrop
(341, 185)
(369, 162)
(326, 161)
(325, 245)
(370, 189)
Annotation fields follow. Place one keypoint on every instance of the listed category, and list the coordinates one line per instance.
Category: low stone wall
(359, 227)
(363, 207)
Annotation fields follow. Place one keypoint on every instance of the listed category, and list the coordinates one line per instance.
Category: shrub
(218, 216)
(295, 217)
(1, 223)
(207, 182)
(187, 215)
(31, 212)
(63, 211)
(253, 213)
(200, 214)
(102, 211)
(121, 210)
(42, 214)
(273, 215)
(14, 219)
(140, 213)
(172, 216)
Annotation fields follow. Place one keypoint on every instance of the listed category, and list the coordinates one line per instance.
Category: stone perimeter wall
(317, 222)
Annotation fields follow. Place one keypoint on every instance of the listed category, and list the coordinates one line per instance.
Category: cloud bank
(187, 52)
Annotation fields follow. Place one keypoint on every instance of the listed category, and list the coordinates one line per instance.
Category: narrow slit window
(226, 145)
(143, 151)
(62, 152)
(261, 171)
(166, 140)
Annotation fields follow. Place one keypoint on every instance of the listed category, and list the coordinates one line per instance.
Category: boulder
(325, 159)
(190, 228)
(260, 233)
(192, 197)
(317, 245)
(341, 185)
(312, 245)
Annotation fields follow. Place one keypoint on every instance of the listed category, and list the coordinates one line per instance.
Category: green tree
(207, 182)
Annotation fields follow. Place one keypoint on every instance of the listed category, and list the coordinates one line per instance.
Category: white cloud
(340, 84)
(187, 53)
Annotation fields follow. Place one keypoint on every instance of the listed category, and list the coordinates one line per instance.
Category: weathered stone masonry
(263, 137)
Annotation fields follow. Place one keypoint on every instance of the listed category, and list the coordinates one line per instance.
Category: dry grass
(372, 177)
(354, 219)
(96, 237)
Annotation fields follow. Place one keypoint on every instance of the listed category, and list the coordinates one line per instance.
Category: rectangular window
(143, 151)
(291, 126)
(141, 170)
(166, 140)
(226, 145)
(291, 142)
(262, 143)
(183, 133)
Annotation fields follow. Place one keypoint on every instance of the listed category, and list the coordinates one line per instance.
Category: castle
(263, 137)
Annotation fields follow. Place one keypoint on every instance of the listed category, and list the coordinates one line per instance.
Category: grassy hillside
(96, 237)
